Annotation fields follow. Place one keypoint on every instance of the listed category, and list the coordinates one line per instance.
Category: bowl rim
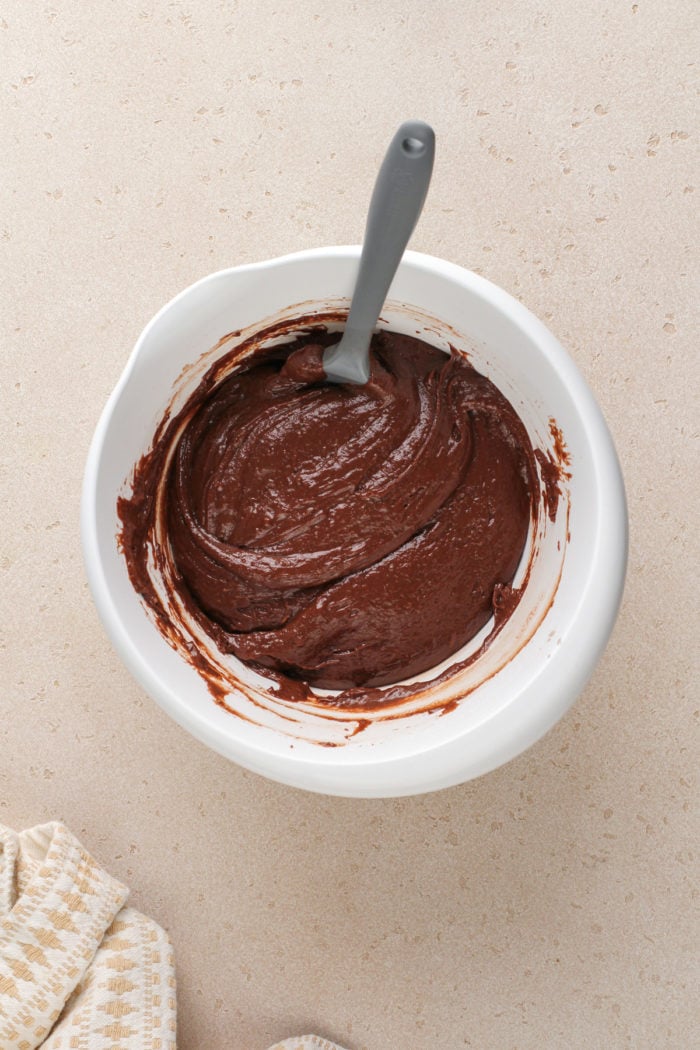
(512, 728)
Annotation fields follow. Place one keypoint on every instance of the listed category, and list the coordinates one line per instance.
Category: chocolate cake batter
(341, 535)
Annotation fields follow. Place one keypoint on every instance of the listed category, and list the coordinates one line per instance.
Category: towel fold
(77, 967)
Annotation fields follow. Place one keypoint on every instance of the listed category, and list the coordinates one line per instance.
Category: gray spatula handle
(397, 201)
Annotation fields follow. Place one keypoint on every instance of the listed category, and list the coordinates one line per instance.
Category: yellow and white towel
(78, 969)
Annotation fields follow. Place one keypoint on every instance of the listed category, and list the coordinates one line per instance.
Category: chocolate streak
(347, 537)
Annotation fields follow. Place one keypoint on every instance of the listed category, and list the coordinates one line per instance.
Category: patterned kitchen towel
(306, 1042)
(77, 968)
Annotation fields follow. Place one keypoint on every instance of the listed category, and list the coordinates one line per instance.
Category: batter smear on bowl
(338, 535)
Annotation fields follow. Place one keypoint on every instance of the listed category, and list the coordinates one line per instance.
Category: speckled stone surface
(145, 144)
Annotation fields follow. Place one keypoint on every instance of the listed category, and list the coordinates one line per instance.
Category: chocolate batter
(343, 536)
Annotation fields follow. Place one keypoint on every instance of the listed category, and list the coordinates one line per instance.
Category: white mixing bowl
(533, 670)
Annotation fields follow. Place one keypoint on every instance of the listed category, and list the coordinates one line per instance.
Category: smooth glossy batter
(341, 535)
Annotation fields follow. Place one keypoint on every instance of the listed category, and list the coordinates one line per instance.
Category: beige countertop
(147, 143)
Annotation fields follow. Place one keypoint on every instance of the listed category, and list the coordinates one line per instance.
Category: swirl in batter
(344, 536)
